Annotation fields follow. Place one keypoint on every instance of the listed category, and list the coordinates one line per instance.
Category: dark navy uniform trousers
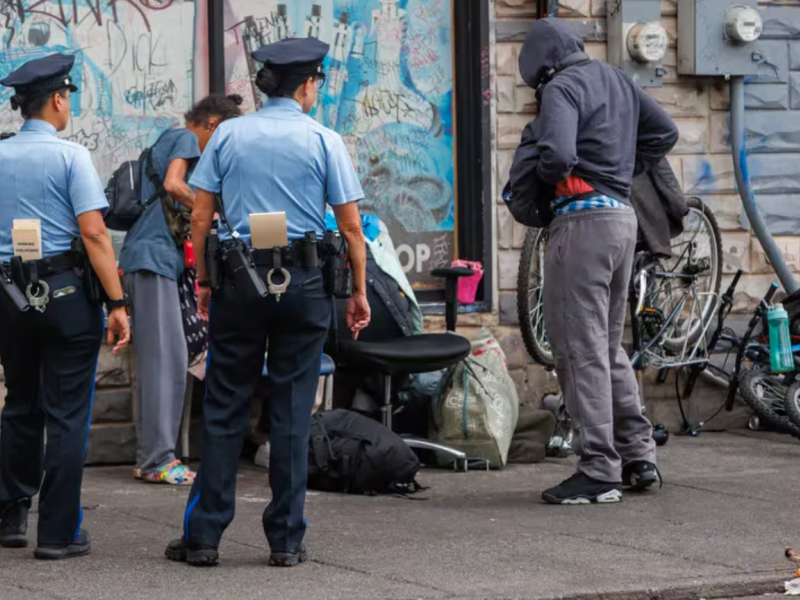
(49, 360)
(296, 327)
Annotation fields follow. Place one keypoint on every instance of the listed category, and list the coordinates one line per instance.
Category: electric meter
(647, 42)
(742, 24)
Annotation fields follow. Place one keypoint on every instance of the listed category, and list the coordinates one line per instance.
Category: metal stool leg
(186, 419)
(386, 409)
(328, 393)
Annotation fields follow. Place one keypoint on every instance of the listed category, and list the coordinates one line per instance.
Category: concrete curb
(716, 588)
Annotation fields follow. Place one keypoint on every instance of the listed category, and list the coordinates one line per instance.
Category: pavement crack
(698, 488)
(28, 588)
(584, 538)
(348, 568)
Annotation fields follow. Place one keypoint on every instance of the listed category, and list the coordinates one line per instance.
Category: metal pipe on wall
(744, 185)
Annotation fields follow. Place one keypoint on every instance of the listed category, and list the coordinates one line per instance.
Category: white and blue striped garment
(601, 201)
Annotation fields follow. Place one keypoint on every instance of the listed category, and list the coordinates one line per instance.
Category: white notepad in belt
(26, 236)
(268, 230)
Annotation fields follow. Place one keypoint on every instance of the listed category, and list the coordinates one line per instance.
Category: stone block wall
(701, 159)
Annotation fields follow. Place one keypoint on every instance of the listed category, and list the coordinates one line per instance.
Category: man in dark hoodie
(595, 130)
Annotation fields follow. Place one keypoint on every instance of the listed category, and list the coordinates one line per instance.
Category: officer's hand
(118, 327)
(358, 313)
(203, 300)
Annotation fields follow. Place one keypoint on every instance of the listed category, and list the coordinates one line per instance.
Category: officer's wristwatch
(121, 303)
(204, 284)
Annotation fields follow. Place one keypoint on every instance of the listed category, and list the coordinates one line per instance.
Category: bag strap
(223, 217)
(321, 445)
(152, 175)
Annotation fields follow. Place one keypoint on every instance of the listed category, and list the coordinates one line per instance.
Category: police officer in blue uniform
(276, 160)
(51, 321)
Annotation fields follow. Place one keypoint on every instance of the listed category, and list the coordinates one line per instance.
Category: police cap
(42, 76)
(299, 55)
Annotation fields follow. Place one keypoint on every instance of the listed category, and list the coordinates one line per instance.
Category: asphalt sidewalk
(718, 528)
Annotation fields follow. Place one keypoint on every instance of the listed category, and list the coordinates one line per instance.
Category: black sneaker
(581, 489)
(196, 555)
(288, 558)
(80, 547)
(14, 527)
(640, 475)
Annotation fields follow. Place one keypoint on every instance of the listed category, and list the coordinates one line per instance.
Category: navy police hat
(42, 76)
(300, 55)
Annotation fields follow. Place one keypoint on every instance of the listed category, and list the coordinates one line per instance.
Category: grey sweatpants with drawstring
(588, 262)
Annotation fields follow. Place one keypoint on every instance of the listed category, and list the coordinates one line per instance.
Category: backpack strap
(152, 174)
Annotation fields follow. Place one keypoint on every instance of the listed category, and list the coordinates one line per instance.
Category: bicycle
(672, 300)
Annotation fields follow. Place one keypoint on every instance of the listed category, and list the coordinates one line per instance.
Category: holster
(91, 282)
(10, 293)
(238, 268)
(337, 271)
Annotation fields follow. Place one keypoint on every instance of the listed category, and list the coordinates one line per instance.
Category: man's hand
(118, 327)
(203, 300)
(358, 313)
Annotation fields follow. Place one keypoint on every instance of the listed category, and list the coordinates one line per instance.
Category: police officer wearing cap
(51, 321)
(276, 160)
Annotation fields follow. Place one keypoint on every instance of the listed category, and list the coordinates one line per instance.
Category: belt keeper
(276, 258)
(33, 275)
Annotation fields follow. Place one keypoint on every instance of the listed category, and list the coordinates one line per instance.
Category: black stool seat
(412, 354)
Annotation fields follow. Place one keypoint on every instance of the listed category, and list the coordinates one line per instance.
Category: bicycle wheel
(764, 392)
(791, 403)
(530, 282)
(697, 252)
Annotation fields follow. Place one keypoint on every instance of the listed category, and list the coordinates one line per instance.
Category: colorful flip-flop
(174, 473)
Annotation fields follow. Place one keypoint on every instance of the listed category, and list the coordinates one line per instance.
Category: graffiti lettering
(89, 140)
(385, 102)
(69, 12)
(155, 95)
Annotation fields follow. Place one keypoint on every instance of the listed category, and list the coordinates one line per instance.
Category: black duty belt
(44, 267)
(301, 254)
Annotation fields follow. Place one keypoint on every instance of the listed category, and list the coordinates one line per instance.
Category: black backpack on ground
(354, 454)
(124, 191)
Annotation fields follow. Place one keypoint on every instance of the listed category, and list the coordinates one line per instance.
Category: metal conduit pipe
(739, 149)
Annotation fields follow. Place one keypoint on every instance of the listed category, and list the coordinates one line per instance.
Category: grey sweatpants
(161, 363)
(588, 262)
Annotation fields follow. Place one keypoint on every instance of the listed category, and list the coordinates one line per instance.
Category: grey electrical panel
(636, 41)
(718, 37)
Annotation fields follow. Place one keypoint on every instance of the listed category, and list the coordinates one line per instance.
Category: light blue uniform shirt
(46, 178)
(277, 160)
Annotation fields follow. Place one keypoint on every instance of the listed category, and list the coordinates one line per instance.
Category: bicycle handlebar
(734, 283)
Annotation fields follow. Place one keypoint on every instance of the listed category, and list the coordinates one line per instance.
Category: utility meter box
(718, 37)
(637, 43)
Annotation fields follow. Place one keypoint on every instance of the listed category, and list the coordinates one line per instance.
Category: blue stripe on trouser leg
(88, 430)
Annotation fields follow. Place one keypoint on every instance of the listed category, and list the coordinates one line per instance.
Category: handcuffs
(276, 289)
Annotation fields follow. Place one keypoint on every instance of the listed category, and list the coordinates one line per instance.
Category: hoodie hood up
(548, 43)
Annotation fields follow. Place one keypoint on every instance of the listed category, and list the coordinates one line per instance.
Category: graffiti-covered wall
(133, 67)
(389, 94)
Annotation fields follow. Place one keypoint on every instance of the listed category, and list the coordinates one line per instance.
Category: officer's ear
(212, 123)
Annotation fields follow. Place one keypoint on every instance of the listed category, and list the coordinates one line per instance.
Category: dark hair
(215, 105)
(280, 84)
(33, 107)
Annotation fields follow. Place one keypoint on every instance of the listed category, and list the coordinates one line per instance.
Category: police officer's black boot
(289, 558)
(81, 546)
(14, 526)
(196, 555)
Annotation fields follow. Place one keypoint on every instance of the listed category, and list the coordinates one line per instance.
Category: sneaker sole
(611, 497)
(14, 541)
(62, 553)
(280, 559)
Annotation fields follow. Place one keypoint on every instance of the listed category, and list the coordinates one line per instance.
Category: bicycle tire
(676, 344)
(751, 388)
(791, 403)
(531, 250)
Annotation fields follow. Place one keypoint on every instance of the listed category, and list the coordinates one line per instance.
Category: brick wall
(701, 158)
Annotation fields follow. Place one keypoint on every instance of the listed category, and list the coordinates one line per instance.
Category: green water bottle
(780, 341)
